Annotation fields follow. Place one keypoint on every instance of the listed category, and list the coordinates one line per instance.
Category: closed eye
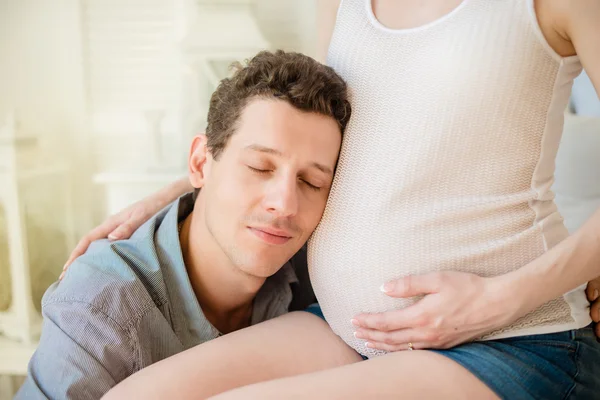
(266, 171)
(311, 186)
(258, 170)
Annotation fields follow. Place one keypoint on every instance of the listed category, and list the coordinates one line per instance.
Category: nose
(282, 198)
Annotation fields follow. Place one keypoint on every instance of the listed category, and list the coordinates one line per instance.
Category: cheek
(237, 195)
(314, 209)
(221, 196)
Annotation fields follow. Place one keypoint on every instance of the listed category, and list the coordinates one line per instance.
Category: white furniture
(20, 323)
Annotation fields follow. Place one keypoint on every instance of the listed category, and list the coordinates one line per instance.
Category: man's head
(266, 163)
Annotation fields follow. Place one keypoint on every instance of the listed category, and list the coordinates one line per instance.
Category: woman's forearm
(571, 263)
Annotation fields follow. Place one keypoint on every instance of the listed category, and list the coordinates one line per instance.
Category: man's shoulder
(122, 279)
(100, 322)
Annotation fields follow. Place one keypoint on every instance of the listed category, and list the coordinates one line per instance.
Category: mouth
(271, 236)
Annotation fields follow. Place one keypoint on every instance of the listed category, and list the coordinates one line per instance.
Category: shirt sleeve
(81, 355)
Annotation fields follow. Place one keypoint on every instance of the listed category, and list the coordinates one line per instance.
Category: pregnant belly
(349, 259)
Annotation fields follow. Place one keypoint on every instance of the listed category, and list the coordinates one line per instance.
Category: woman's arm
(577, 259)
(123, 224)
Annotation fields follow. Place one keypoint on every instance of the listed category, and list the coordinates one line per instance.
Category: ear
(199, 159)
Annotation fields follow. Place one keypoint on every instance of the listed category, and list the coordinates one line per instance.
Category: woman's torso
(448, 160)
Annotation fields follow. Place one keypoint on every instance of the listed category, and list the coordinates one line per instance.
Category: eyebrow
(268, 150)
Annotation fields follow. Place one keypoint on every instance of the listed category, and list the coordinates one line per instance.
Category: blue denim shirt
(127, 304)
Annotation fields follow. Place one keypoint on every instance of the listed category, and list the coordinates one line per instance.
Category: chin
(258, 259)
(262, 267)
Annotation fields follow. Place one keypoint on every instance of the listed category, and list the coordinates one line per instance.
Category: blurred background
(98, 102)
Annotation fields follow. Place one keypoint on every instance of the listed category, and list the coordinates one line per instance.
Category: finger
(81, 247)
(99, 232)
(392, 347)
(593, 290)
(123, 231)
(414, 285)
(398, 337)
(126, 229)
(394, 320)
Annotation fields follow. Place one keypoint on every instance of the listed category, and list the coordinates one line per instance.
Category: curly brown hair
(293, 77)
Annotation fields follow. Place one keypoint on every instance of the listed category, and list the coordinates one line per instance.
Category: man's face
(265, 194)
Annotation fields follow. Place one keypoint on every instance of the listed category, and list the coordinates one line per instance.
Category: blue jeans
(564, 365)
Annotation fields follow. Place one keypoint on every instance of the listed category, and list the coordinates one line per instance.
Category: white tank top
(448, 160)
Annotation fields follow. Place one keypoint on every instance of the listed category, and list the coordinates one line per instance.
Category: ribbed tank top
(448, 160)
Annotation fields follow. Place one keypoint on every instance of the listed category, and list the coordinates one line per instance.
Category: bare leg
(402, 375)
(293, 344)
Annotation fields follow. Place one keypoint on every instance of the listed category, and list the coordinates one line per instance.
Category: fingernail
(595, 296)
(61, 275)
(358, 335)
(386, 287)
(65, 267)
(369, 345)
(114, 236)
(354, 322)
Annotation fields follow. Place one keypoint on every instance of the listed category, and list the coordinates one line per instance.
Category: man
(214, 261)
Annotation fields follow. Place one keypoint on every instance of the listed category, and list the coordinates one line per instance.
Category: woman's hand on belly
(457, 307)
